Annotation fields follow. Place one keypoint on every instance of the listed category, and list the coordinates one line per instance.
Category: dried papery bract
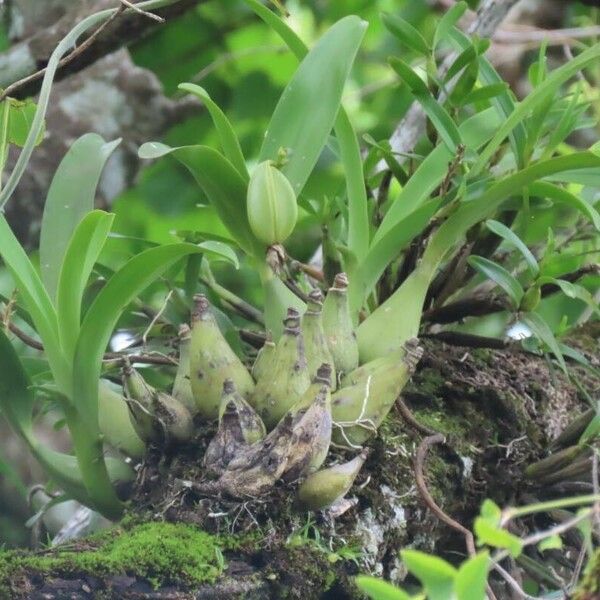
(359, 409)
(315, 343)
(311, 437)
(182, 386)
(338, 327)
(239, 427)
(212, 361)
(277, 391)
(255, 470)
(325, 487)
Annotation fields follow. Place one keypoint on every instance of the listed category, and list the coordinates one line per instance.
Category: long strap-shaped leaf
(16, 402)
(99, 322)
(37, 301)
(70, 198)
(229, 141)
(399, 317)
(81, 255)
(538, 95)
(358, 219)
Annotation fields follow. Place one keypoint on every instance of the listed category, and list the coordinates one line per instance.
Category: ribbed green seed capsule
(338, 328)
(182, 386)
(315, 343)
(324, 488)
(264, 359)
(358, 410)
(271, 204)
(212, 361)
(278, 390)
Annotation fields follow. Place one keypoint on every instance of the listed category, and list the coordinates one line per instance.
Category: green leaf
(387, 248)
(17, 402)
(499, 275)
(441, 120)
(19, 115)
(495, 536)
(436, 575)
(406, 33)
(513, 239)
(471, 579)
(228, 138)
(482, 94)
(377, 334)
(97, 327)
(36, 299)
(220, 252)
(537, 97)
(573, 290)
(308, 107)
(553, 542)
(475, 131)
(544, 189)
(542, 331)
(70, 197)
(378, 589)
(448, 21)
(80, 257)
(466, 57)
(358, 225)
(221, 182)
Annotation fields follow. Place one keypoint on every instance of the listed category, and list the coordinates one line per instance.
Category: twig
(156, 318)
(419, 465)
(11, 89)
(108, 356)
(140, 11)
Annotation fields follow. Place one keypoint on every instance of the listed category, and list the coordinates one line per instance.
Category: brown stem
(468, 340)
(419, 465)
(408, 416)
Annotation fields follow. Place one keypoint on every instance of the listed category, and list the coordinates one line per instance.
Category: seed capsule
(212, 361)
(315, 343)
(182, 387)
(338, 328)
(264, 359)
(359, 409)
(276, 392)
(323, 488)
(271, 204)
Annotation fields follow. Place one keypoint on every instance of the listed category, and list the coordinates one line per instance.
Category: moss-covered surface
(160, 553)
(498, 411)
(589, 588)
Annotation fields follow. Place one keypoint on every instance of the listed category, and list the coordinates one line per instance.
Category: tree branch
(26, 58)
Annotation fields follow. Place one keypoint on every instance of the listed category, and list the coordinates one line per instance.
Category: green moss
(158, 552)
(590, 584)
